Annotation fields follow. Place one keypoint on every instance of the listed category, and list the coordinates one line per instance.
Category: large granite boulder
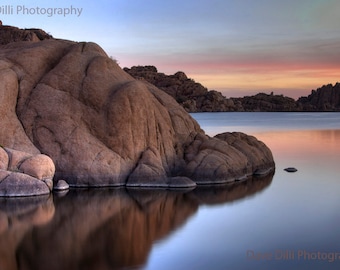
(24, 174)
(236, 155)
(102, 127)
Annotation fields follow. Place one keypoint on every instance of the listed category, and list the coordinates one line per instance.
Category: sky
(238, 47)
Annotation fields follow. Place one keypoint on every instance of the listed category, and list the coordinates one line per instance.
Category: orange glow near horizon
(292, 83)
(248, 77)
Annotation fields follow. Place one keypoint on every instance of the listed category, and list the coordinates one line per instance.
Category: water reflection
(101, 229)
(303, 144)
(17, 218)
(229, 193)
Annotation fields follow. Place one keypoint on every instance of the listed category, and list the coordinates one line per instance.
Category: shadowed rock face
(101, 127)
(325, 98)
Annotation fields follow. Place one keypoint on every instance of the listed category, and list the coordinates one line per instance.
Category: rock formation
(23, 174)
(325, 98)
(194, 97)
(10, 34)
(102, 127)
(267, 103)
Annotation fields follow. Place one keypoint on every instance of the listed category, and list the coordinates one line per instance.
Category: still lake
(283, 221)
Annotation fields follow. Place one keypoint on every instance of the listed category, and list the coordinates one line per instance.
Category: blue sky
(238, 47)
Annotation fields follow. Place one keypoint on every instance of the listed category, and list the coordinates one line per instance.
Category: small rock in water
(61, 186)
(290, 169)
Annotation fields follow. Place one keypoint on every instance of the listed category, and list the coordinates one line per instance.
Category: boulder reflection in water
(104, 229)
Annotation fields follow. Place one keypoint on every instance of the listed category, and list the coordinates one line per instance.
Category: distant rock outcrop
(194, 97)
(326, 98)
(267, 103)
(101, 127)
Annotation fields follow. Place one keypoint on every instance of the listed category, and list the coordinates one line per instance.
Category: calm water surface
(282, 221)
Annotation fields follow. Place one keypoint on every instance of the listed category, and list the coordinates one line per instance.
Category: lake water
(282, 221)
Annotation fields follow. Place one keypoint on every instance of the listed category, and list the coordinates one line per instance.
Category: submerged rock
(102, 127)
(291, 169)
